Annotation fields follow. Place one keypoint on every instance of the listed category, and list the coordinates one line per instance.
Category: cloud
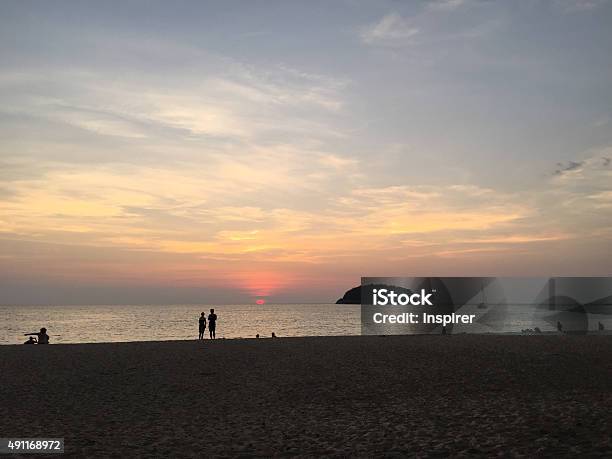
(591, 168)
(567, 167)
(575, 196)
(6, 193)
(98, 122)
(445, 5)
(218, 99)
(392, 29)
(206, 210)
(337, 162)
(574, 6)
(265, 211)
(602, 121)
(432, 25)
(602, 199)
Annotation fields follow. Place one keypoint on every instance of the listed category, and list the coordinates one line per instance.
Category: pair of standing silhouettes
(212, 324)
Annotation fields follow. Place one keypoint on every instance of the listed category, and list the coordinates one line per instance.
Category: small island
(353, 296)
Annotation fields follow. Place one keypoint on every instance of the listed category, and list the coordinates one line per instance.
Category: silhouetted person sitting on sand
(212, 323)
(43, 338)
(559, 326)
(202, 322)
(31, 340)
(273, 335)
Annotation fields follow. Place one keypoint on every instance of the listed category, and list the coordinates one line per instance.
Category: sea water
(99, 323)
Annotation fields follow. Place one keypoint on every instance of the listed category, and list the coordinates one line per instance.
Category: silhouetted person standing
(202, 324)
(212, 323)
(43, 338)
(559, 327)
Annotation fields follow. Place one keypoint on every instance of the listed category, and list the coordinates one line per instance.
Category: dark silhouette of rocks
(353, 296)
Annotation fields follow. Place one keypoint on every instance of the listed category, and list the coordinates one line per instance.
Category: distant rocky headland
(353, 296)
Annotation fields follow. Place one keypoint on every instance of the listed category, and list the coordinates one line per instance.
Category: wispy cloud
(589, 170)
(446, 5)
(392, 29)
(569, 166)
(574, 6)
(432, 24)
(602, 121)
(232, 100)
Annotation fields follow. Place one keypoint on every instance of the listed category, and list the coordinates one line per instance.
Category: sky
(223, 152)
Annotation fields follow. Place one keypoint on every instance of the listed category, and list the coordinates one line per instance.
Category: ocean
(97, 324)
(120, 323)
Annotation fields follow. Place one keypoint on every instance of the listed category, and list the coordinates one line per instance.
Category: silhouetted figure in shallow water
(600, 326)
(42, 336)
(257, 335)
(212, 323)
(202, 325)
(559, 327)
(31, 340)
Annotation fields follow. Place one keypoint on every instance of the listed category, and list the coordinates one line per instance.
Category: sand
(359, 396)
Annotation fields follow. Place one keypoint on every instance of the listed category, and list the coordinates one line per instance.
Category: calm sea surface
(94, 324)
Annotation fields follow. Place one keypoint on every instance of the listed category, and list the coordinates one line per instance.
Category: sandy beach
(358, 396)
